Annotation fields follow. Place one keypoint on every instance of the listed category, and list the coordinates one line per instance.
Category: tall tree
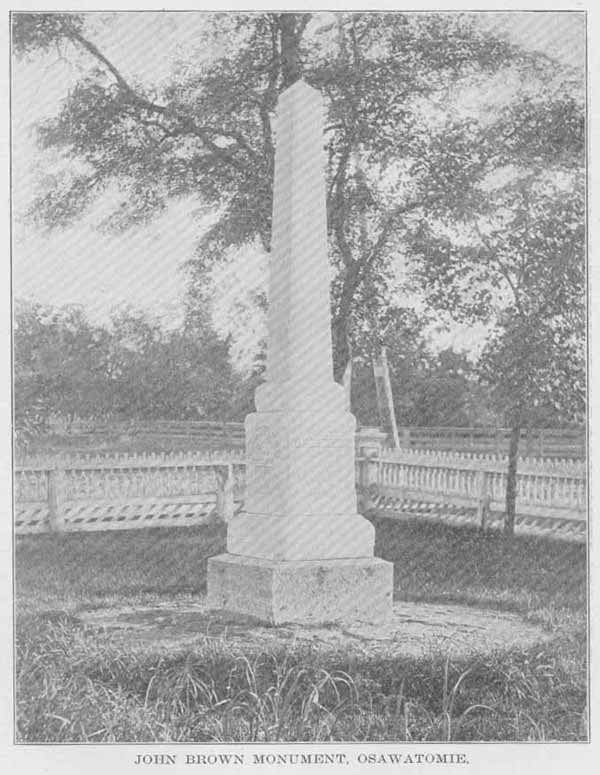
(394, 155)
(132, 369)
(522, 267)
(183, 373)
(60, 365)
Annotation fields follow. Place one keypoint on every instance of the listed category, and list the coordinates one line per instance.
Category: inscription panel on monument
(321, 468)
(292, 472)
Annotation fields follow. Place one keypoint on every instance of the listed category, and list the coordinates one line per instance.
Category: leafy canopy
(400, 153)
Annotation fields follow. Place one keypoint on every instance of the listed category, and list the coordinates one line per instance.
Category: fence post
(528, 435)
(373, 471)
(56, 516)
(483, 502)
(224, 504)
(361, 471)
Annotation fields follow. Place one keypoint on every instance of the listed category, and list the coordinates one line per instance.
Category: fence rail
(534, 442)
(489, 461)
(204, 429)
(82, 460)
(553, 496)
(139, 491)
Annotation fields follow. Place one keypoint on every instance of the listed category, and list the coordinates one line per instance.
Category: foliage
(446, 392)
(518, 262)
(34, 31)
(67, 368)
(536, 356)
(522, 269)
(395, 157)
(61, 364)
(428, 389)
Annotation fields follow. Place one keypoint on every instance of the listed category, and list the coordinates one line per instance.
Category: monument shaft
(300, 504)
(300, 491)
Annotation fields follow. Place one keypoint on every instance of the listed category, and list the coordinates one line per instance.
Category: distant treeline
(67, 368)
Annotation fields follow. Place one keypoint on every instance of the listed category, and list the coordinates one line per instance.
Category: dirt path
(415, 629)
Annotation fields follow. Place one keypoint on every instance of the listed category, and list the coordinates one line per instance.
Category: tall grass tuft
(82, 686)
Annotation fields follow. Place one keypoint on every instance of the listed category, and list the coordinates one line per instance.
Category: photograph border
(57, 762)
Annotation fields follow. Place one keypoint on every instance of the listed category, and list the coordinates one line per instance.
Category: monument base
(300, 536)
(308, 591)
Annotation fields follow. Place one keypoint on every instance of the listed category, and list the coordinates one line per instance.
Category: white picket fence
(132, 493)
(105, 493)
(549, 496)
(488, 461)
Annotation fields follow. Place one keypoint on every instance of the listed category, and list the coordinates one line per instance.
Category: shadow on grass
(432, 562)
(77, 569)
(79, 685)
(436, 563)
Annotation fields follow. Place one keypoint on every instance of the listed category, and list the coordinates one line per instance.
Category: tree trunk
(292, 28)
(347, 382)
(511, 478)
(341, 347)
(341, 322)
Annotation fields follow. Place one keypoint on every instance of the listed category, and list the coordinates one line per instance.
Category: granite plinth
(308, 591)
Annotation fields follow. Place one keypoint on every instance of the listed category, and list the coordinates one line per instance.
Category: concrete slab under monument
(300, 551)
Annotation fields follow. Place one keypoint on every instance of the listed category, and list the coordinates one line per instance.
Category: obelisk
(300, 551)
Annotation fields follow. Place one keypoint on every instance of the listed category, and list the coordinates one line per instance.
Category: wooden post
(56, 516)
(406, 437)
(528, 440)
(373, 471)
(385, 398)
(483, 503)
(347, 383)
(224, 504)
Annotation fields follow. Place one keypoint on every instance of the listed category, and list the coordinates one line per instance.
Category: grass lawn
(78, 685)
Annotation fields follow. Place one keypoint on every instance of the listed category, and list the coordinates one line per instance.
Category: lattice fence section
(548, 501)
(130, 494)
(139, 492)
(398, 508)
(537, 494)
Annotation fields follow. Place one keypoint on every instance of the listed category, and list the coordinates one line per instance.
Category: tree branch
(503, 269)
(387, 227)
(186, 124)
(269, 96)
(123, 84)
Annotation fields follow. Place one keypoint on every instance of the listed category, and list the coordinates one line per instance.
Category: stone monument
(300, 552)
